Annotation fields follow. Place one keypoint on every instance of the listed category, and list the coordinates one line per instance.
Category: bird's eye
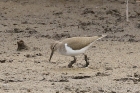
(53, 48)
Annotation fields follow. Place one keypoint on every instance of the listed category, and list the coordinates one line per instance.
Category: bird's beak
(51, 55)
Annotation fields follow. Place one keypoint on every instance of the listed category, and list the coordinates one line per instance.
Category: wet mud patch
(21, 33)
(59, 79)
(80, 77)
(135, 80)
(15, 30)
(88, 11)
(114, 12)
(73, 70)
(57, 36)
(102, 74)
(10, 80)
(2, 60)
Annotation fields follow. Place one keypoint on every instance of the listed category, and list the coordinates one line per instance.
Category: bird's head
(53, 47)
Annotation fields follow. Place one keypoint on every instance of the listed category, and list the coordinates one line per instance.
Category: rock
(22, 46)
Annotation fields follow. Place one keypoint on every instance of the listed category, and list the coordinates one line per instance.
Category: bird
(74, 46)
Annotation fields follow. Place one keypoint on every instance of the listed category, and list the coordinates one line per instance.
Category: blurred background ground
(114, 61)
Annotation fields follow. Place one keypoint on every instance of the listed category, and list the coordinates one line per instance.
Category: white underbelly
(71, 52)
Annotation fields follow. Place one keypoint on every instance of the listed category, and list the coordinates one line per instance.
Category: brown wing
(77, 43)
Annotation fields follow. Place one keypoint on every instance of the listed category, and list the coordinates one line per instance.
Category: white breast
(71, 52)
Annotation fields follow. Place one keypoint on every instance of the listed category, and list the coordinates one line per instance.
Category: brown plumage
(77, 43)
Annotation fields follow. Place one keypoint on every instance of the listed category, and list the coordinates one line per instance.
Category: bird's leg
(72, 62)
(86, 59)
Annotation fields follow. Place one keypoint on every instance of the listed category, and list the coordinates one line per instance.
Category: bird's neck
(58, 44)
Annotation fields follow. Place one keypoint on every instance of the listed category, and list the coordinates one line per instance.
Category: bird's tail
(101, 36)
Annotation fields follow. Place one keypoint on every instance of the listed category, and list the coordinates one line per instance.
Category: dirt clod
(22, 46)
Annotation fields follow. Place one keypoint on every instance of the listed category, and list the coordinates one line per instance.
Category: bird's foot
(71, 63)
(70, 66)
(87, 62)
(86, 65)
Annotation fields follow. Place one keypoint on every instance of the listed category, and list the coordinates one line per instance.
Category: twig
(127, 11)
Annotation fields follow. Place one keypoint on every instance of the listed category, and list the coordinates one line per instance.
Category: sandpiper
(74, 46)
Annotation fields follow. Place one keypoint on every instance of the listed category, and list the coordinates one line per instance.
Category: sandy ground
(114, 61)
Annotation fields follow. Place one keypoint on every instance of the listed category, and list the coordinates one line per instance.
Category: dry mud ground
(114, 61)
